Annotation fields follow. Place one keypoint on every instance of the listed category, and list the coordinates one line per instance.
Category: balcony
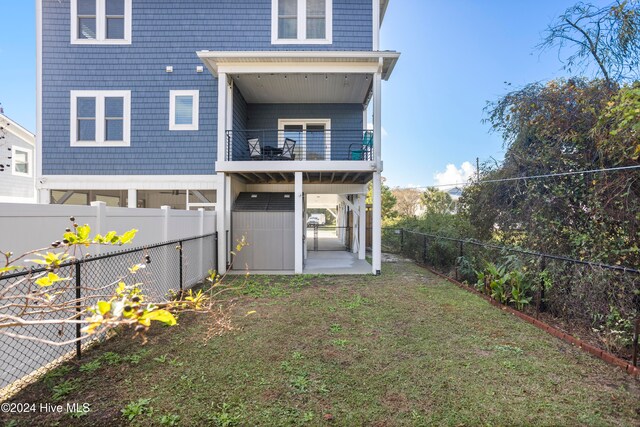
(299, 143)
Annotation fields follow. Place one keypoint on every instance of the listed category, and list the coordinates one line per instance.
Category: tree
(407, 201)
(608, 37)
(388, 200)
(436, 201)
(552, 128)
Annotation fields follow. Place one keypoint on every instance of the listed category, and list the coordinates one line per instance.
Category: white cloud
(455, 177)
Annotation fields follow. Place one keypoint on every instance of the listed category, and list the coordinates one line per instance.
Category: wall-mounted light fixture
(169, 69)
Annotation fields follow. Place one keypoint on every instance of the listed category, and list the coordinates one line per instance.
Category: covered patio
(335, 262)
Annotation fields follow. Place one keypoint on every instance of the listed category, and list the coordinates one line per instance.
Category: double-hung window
(183, 109)
(100, 118)
(21, 161)
(301, 21)
(101, 21)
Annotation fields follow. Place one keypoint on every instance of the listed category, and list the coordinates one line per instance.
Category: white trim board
(302, 145)
(195, 110)
(100, 117)
(101, 30)
(127, 182)
(30, 165)
(301, 20)
(296, 166)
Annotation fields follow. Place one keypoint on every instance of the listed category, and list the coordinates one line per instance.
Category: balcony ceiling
(304, 88)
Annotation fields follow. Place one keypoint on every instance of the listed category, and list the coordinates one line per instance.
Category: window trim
(302, 24)
(29, 153)
(100, 95)
(195, 111)
(101, 24)
(282, 122)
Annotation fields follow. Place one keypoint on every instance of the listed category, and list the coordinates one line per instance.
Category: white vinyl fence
(26, 227)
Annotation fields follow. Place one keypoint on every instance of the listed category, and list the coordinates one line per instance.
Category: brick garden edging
(587, 348)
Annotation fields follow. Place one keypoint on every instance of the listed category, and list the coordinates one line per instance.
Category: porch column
(222, 116)
(355, 226)
(221, 223)
(132, 198)
(362, 204)
(377, 119)
(44, 196)
(299, 224)
(376, 244)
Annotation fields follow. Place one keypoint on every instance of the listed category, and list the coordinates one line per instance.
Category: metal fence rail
(583, 294)
(175, 266)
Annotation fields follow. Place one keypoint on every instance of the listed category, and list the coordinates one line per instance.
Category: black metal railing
(583, 295)
(299, 145)
(174, 266)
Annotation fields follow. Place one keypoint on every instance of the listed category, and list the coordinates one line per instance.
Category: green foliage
(615, 330)
(92, 366)
(388, 201)
(227, 416)
(619, 126)
(136, 408)
(504, 285)
(300, 383)
(335, 328)
(51, 377)
(61, 390)
(436, 201)
(169, 420)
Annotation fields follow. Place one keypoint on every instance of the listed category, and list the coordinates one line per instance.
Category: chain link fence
(174, 266)
(586, 298)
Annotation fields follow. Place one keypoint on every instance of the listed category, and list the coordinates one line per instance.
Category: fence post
(636, 332)
(460, 255)
(166, 212)
(180, 269)
(539, 307)
(78, 309)
(424, 249)
(101, 221)
(402, 240)
(215, 251)
(201, 271)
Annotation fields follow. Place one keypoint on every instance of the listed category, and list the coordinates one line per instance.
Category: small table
(271, 152)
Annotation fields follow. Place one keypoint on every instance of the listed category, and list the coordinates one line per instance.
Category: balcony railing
(299, 145)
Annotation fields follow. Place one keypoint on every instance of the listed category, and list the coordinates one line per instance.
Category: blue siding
(165, 32)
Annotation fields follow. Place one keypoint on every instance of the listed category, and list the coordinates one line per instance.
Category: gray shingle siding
(164, 32)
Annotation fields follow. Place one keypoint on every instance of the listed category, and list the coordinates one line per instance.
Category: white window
(183, 109)
(301, 21)
(312, 137)
(101, 21)
(100, 118)
(22, 162)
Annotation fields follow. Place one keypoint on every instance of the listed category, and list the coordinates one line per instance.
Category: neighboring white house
(17, 155)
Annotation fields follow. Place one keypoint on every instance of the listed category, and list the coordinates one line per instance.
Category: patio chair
(362, 151)
(287, 150)
(255, 150)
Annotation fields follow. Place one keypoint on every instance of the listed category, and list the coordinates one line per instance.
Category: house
(17, 159)
(217, 104)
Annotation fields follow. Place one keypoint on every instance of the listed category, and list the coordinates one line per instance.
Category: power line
(518, 178)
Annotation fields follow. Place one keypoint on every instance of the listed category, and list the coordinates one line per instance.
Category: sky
(456, 56)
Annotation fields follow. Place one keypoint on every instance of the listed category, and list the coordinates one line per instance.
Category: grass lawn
(405, 348)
